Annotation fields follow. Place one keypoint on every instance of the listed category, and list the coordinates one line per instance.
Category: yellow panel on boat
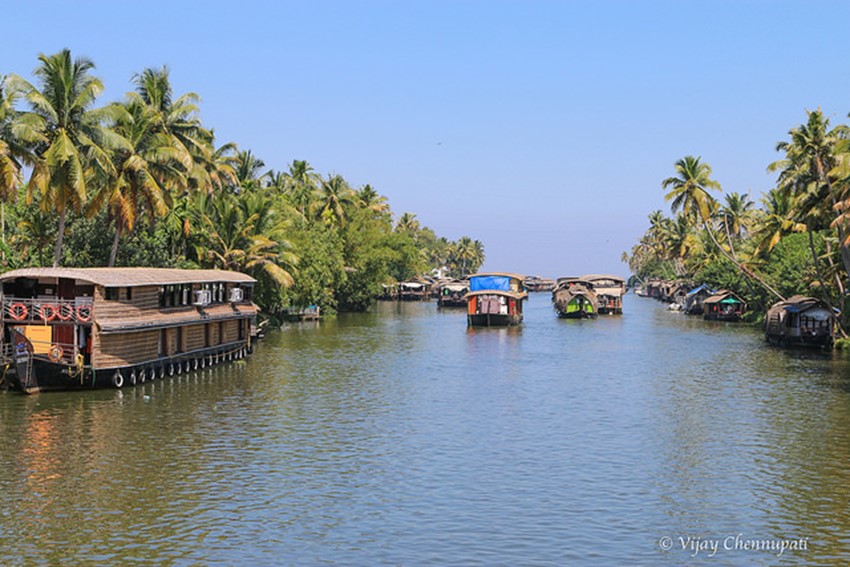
(41, 337)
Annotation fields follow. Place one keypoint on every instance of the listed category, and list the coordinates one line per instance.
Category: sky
(542, 128)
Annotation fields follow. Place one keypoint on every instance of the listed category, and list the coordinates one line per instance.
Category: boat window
(112, 294)
(129, 294)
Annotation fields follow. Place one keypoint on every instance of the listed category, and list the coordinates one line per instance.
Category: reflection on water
(402, 437)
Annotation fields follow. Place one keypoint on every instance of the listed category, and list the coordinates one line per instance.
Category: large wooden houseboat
(575, 298)
(494, 300)
(609, 292)
(800, 321)
(695, 298)
(74, 328)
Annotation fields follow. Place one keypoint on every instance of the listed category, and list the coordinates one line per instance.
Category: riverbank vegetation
(795, 240)
(144, 182)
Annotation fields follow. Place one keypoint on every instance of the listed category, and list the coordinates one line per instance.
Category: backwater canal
(399, 437)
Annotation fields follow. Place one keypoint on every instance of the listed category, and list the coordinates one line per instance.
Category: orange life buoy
(18, 311)
(55, 354)
(65, 311)
(84, 313)
(48, 311)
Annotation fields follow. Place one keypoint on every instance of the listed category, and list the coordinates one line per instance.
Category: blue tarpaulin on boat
(483, 283)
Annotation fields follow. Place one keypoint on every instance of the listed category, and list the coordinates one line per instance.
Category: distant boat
(452, 293)
(609, 292)
(575, 298)
(495, 300)
(536, 283)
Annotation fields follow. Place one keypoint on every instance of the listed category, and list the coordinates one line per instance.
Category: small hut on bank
(723, 306)
(695, 298)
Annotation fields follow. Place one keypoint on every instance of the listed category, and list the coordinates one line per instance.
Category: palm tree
(144, 172)
(74, 145)
(247, 167)
(368, 198)
(689, 192)
(805, 174)
(775, 222)
(407, 223)
(303, 183)
(333, 197)
(235, 239)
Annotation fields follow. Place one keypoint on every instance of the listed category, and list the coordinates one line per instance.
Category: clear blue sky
(542, 128)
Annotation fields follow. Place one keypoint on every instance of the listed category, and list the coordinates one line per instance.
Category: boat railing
(42, 310)
(62, 353)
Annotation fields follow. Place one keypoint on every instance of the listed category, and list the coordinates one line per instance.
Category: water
(402, 438)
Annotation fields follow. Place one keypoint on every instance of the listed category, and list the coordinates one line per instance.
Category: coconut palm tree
(368, 198)
(145, 172)
(689, 191)
(74, 146)
(233, 240)
(407, 223)
(247, 167)
(302, 185)
(334, 196)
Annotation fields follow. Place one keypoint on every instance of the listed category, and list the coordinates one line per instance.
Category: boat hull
(493, 320)
(45, 375)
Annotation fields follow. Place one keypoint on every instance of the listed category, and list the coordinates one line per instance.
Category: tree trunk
(60, 236)
(823, 290)
(114, 252)
(747, 273)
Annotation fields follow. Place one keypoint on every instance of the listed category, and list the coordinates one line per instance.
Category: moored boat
(800, 321)
(82, 328)
(575, 298)
(723, 305)
(495, 300)
(452, 293)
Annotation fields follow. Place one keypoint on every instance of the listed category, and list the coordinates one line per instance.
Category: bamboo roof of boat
(131, 277)
(596, 277)
(798, 304)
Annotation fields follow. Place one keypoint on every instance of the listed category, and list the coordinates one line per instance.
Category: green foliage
(142, 183)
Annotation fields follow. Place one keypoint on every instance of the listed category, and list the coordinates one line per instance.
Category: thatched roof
(722, 295)
(798, 304)
(130, 277)
(594, 277)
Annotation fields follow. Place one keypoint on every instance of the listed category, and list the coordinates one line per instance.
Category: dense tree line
(796, 241)
(143, 182)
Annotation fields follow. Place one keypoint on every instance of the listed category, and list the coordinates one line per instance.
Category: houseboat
(723, 306)
(414, 291)
(79, 328)
(494, 300)
(695, 298)
(452, 293)
(800, 321)
(575, 298)
(536, 283)
(609, 292)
